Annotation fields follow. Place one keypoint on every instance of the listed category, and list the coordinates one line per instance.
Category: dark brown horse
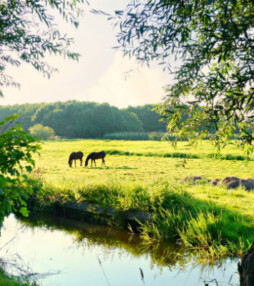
(75, 156)
(94, 156)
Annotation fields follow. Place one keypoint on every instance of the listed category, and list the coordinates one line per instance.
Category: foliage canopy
(16, 149)
(74, 119)
(28, 31)
(211, 43)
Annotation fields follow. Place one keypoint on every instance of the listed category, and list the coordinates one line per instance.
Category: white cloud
(124, 84)
(121, 84)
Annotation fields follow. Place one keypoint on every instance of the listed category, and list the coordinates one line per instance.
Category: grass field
(142, 169)
(213, 219)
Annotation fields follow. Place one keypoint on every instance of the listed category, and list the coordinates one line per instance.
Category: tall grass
(212, 229)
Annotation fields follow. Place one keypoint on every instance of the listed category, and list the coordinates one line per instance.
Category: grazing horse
(75, 156)
(94, 156)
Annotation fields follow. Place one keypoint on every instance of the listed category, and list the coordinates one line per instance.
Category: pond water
(62, 251)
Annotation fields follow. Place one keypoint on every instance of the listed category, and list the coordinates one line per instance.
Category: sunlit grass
(54, 156)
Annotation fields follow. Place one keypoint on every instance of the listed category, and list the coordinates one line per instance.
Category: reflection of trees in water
(118, 242)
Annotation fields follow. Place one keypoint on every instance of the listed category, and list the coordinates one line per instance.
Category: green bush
(41, 131)
(16, 149)
(155, 136)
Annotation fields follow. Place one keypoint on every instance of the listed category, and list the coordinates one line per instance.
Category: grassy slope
(207, 217)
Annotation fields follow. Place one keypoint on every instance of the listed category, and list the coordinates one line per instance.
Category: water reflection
(60, 251)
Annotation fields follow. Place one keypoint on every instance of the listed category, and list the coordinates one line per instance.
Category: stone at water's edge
(246, 268)
(133, 218)
(235, 182)
(248, 184)
(215, 182)
(229, 182)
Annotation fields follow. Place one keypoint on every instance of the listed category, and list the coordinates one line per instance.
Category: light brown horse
(94, 156)
(75, 156)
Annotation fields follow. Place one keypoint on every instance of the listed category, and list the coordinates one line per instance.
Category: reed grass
(6, 280)
(211, 228)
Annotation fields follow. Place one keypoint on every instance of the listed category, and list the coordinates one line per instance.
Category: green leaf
(24, 211)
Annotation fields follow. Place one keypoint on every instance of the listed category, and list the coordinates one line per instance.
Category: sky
(101, 75)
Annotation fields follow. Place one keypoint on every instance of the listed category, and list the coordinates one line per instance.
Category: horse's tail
(87, 159)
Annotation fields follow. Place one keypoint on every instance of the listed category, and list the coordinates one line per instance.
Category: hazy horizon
(77, 100)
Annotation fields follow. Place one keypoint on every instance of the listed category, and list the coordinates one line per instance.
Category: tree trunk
(246, 268)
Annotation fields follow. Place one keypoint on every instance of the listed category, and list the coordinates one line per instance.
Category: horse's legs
(94, 163)
(103, 162)
(75, 163)
(80, 162)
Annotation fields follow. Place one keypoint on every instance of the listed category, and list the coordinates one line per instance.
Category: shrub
(41, 131)
(156, 136)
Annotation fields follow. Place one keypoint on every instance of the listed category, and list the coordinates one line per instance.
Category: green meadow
(143, 162)
(147, 176)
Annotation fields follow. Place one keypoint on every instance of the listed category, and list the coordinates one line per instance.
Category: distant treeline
(74, 119)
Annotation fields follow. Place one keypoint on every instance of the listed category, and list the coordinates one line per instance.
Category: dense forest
(75, 119)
